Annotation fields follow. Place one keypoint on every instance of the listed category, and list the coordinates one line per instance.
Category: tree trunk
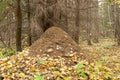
(95, 16)
(117, 27)
(29, 26)
(89, 23)
(77, 20)
(19, 26)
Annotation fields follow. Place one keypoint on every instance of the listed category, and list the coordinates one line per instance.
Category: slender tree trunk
(77, 20)
(66, 18)
(89, 24)
(19, 26)
(29, 26)
(96, 23)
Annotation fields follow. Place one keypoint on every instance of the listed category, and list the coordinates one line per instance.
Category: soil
(54, 42)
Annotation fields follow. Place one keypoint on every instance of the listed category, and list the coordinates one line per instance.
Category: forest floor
(105, 65)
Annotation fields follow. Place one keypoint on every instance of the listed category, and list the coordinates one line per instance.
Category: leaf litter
(23, 67)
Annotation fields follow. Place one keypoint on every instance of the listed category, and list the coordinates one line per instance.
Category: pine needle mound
(54, 42)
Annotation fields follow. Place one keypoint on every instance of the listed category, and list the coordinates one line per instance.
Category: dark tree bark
(66, 17)
(19, 26)
(29, 21)
(77, 20)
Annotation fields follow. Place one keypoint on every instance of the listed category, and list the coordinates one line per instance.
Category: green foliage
(106, 23)
(98, 66)
(7, 52)
(41, 61)
(1, 55)
(38, 77)
(56, 72)
(110, 1)
(106, 58)
(3, 4)
(80, 70)
(3, 7)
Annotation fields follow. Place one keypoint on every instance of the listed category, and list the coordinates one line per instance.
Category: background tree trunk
(19, 26)
(89, 26)
(117, 27)
(29, 21)
(77, 20)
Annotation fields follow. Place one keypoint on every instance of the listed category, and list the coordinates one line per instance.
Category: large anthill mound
(55, 42)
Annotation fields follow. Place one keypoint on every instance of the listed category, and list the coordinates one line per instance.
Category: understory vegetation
(104, 65)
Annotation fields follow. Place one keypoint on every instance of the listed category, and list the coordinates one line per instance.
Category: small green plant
(80, 70)
(38, 77)
(108, 47)
(41, 61)
(98, 66)
(1, 55)
(106, 59)
(9, 52)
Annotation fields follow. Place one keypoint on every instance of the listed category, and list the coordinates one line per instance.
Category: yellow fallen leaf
(67, 78)
(86, 63)
(92, 64)
(22, 75)
(69, 69)
(32, 68)
(9, 65)
(53, 68)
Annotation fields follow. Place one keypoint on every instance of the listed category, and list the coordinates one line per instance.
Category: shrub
(8, 52)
